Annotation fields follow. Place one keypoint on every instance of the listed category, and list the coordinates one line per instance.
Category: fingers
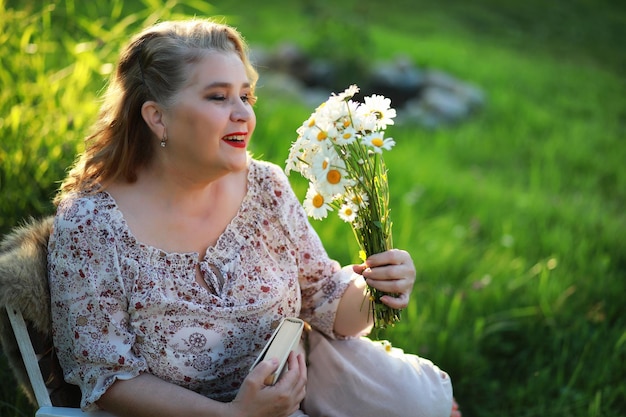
(293, 382)
(282, 399)
(296, 376)
(392, 272)
(393, 265)
(300, 388)
(359, 268)
(400, 302)
(391, 257)
(262, 371)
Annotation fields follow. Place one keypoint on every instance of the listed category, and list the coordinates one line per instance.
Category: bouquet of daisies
(339, 151)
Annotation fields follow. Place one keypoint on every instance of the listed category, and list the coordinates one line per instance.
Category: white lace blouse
(120, 307)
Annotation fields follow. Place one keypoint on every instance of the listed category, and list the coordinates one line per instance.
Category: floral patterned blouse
(120, 307)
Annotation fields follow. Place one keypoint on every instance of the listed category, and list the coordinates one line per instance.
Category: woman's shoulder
(270, 188)
(267, 174)
(85, 208)
(264, 167)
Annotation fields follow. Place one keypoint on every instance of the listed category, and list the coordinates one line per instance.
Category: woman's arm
(392, 272)
(353, 316)
(146, 395)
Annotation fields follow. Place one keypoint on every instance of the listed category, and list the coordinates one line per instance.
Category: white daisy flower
(350, 112)
(335, 180)
(348, 93)
(292, 162)
(308, 133)
(363, 119)
(348, 212)
(316, 204)
(320, 165)
(322, 131)
(346, 136)
(356, 197)
(335, 110)
(377, 142)
(380, 107)
(300, 156)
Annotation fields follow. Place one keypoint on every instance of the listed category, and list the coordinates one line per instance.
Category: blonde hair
(154, 65)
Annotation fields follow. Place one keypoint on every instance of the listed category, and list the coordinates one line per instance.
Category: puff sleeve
(322, 280)
(92, 335)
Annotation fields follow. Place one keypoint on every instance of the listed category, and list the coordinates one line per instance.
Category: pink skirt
(359, 377)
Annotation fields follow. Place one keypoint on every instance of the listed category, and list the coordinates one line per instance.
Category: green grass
(515, 218)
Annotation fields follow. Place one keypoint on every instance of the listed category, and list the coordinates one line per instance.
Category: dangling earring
(164, 140)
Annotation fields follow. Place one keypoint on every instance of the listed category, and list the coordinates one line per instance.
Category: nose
(241, 111)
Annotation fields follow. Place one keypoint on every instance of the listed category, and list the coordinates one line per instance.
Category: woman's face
(210, 124)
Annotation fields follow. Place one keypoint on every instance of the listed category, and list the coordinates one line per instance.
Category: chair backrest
(42, 396)
(25, 323)
(28, 356)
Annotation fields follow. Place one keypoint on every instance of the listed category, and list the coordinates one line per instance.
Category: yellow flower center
(325, 164)
(333, 176)
(347, 136)
(378, 142)
(318, 201)
(311, 122)
(322, 135)
(346, 122)
(348, 211)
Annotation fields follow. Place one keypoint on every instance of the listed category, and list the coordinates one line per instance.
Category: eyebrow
(222, 84)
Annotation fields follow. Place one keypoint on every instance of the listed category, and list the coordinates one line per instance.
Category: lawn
(515, 217)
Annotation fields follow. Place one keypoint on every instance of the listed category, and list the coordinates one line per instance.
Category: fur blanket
(24, 284)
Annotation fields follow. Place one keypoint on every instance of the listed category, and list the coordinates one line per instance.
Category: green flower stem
(372, 227)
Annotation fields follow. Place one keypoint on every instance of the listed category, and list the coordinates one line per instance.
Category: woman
(174, 253)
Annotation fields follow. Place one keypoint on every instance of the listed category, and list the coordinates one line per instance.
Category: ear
(153, 116)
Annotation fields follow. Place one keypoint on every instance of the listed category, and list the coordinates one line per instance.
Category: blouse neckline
(158, 253)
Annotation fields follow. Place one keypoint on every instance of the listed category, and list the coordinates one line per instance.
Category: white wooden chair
(46, 409)
(25, 329)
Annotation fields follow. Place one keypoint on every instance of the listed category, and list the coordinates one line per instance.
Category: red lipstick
(236, 139)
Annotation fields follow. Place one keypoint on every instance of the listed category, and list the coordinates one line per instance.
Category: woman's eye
(248, 98)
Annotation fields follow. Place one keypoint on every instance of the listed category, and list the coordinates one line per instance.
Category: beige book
(284, 340)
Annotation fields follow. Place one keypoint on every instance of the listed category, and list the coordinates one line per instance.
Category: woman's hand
(279, 400)
(392, 272)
